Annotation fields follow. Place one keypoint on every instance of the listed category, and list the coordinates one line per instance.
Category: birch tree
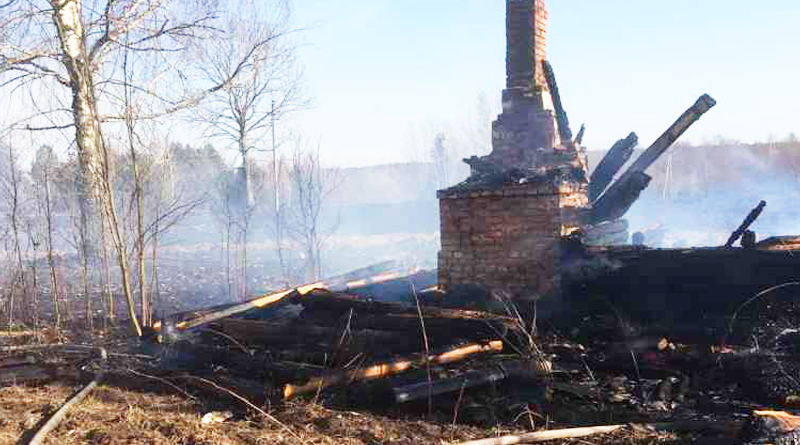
(73, 47)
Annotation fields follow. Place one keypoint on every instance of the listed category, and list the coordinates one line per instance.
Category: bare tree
(243, 113)
(77, 46)
(310, 186)
(42, 172)
(11, 189)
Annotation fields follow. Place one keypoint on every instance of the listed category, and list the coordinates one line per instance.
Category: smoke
(706, 192)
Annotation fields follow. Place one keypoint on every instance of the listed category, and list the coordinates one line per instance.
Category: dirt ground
(111, 415)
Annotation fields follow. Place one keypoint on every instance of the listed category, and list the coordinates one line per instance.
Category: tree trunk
(50, 260)
(93, 185)
(140, 244)
(112, 310)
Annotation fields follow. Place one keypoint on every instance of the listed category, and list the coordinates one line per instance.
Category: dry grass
(112, 415)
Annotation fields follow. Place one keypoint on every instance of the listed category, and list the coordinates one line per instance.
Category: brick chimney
(501, 227)
(526, 44)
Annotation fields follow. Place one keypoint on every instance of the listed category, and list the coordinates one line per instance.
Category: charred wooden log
(689, 117)
(311, 337)
(352, 280)
(321, 307)
(612, 162)
(564, 131)
(618, 199)
(384, 370)
(748, 221)
(632, 181)
(581, 133)
(466, 380)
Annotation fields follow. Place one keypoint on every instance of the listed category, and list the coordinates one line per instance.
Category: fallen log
(609, 166)
(644, 161)
(470, 379)
(769, 378)
(53, 422)
(326, 308)
(312, 337)
(383, 370)
(748, 221)
(18, 334)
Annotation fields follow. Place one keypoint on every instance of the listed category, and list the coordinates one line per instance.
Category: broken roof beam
(611, 164)
(748, 221)
(616, 202)
(349, 281)
(562, 121)
(604, 207)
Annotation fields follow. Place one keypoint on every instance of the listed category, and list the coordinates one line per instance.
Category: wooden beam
(612, 162)
(644, 161)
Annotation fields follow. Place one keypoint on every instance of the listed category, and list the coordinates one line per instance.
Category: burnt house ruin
(503, 227)
(500, 228)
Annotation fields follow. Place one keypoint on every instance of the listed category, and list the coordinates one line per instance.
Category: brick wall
(505, 238)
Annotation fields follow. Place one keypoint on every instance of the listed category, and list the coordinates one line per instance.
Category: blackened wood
(581, 133)
(564, 131)
(299, 333)
(748, 221)
(618, 199)
(687, 295)
(396, 366)
(607, 203)
(382, 316)
(609, 166)
(470, 379)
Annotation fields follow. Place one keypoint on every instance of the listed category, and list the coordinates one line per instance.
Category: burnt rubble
(539, 315)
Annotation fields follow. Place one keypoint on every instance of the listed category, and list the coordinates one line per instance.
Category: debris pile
(347, 348)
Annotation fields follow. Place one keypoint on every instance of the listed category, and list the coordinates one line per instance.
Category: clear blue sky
(378, 69)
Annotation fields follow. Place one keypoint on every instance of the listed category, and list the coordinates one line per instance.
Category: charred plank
(748, 221)
(632, 181)
(612, 162)
(564, 131)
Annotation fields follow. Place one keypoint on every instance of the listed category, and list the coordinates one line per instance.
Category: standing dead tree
(310, 186)
(242, 114)
(42, 173)
(11, 191)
